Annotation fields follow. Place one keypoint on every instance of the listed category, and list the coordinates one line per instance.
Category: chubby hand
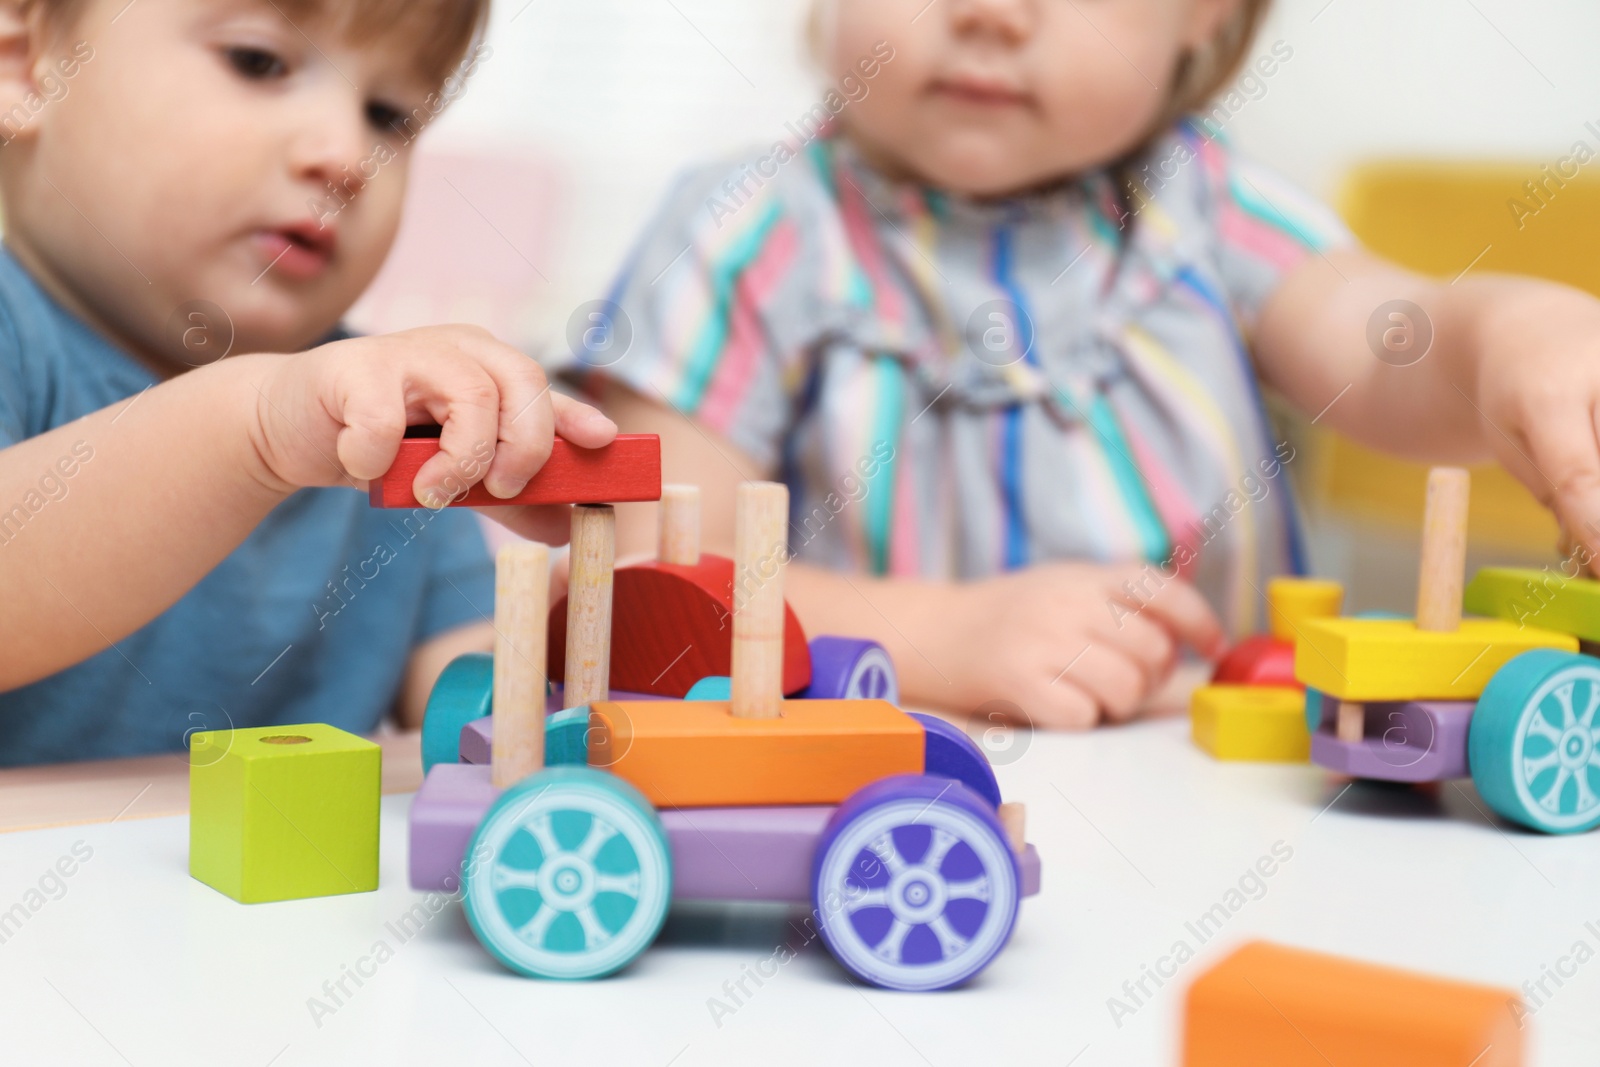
(336, 414)
(1538, 386)
(1069, 644)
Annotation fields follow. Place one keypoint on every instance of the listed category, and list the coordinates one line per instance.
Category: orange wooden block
(1271, 1006)
(695, 754)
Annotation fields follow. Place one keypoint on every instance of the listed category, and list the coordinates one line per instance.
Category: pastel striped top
(954, 388)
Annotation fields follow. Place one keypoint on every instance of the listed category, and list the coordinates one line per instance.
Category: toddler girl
(1002, 323)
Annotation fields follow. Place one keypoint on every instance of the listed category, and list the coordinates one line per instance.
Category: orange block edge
(686, 754)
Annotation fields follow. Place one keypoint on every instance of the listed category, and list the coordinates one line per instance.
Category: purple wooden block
(760, 853)
(1406, 741)
(477, 737)
(447, 809)
(744, 853)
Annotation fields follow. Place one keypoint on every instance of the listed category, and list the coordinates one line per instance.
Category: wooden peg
(1444, 550)
(521, 608)
(680, 525)
(594, 545)
(760, 548)
(1351, 725)
(1014, 817)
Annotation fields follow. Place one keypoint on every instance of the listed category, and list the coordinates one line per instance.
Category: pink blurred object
(476, 232)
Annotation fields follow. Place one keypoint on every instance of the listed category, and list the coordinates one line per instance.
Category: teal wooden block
(284, 812)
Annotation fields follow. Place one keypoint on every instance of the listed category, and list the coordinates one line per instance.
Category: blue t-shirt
(311, 619)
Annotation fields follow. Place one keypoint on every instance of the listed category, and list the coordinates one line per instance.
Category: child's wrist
(243, 380)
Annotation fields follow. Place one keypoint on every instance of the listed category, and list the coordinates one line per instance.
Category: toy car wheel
(914, 884)
(848, 668)
(569, 875)
(1534, 743)
(462, 694)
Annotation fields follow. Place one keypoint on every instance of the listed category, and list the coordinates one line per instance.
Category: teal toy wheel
(463, 693)
(572, 875)
(1534, 744)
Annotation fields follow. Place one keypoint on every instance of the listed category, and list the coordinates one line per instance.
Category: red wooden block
(672, 625)
(1259, 660)
(627, 469)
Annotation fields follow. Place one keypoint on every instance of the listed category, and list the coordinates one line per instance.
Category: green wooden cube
(284, 812)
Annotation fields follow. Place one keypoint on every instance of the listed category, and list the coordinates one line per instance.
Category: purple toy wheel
(914, 885)
(948, 752)
(850, 668)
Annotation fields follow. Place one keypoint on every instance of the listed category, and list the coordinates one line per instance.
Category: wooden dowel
(594, 545)
(1014, 819)
(521, 608)
(1444, 550)
(680, 525)
(760, 549)
(1351, 725)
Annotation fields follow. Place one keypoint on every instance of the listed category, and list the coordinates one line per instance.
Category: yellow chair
(1442, 219)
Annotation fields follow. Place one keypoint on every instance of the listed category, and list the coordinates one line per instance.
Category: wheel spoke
(973, 889)
(626, 884)
(867, 898)
(883, 847)
(1563, 697)
(1586, 720)
(1551, 801)
(600, 832)
(514, 878)
(1531, 768)
(594, 933)
(534, 929)
(539, 826)
(950, 942)
(1539, 727)
(943, 841)
(1586, 797)
(889, 948)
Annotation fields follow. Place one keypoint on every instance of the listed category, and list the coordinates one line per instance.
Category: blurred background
(1420, 121)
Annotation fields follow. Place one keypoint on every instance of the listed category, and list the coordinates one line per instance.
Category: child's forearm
(106, 521)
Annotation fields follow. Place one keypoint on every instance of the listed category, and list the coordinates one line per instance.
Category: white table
(1140, 834)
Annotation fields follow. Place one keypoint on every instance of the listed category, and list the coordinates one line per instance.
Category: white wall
(622, 93)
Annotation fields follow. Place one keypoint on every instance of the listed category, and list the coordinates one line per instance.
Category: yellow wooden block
(1293, 600)
(694, 754)
(1251, 722)
(1390, 659)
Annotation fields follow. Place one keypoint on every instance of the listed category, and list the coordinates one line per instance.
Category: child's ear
(20, 30)
(1206, 18)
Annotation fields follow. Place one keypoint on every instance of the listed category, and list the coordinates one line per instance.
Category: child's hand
(1539, 390)
(1068, 643)
(336, 414)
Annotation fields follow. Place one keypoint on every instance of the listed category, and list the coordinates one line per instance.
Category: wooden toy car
(1511, 705)
(570, 843)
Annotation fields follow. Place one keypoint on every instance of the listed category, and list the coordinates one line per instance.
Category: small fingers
(1116, 682)
(1182, 609)
(582, 424)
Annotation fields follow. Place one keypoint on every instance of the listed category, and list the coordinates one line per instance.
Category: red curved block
(1259, 660)
(629, 468)
(672, 625)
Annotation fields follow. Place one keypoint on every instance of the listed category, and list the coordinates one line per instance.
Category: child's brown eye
(384, 118)
(256, 63)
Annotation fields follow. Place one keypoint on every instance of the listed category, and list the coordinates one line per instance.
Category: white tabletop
(129, 961)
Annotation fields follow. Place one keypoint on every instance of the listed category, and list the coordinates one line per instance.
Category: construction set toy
(735, 762)
(1267, 1005)
(1507, 699)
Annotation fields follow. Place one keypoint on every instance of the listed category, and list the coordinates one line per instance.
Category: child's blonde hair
(442, 30)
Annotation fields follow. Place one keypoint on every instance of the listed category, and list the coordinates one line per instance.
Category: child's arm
(1066, 643)
(1513, 372)
(183, 472)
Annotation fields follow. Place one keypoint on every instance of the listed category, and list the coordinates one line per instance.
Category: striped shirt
(955, 388)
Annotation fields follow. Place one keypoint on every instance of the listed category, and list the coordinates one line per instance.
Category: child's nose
(333, 147)
(1010, 19)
